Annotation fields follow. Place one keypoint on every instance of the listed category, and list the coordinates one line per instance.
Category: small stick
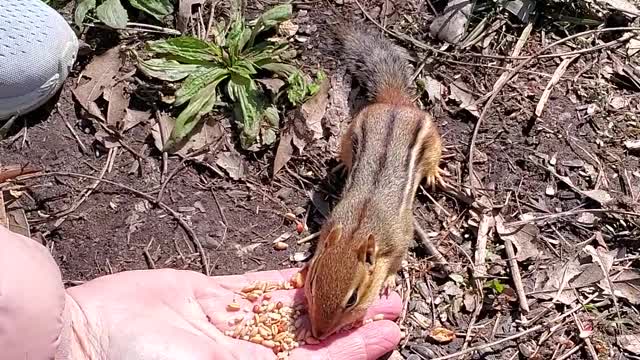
(562, 68)
(513, 264)
(224, 218)
(308, 238)
(83, 149)
(570, 213)
(571, 352)
(147, 256)
(487, 223)
(491, 344)
(424, 238)
(169, 177)
(62, 216)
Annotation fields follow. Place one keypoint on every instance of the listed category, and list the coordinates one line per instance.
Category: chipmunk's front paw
(388, 285)
(436, 177)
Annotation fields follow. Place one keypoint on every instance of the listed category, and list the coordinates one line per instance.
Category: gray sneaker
(37, 51)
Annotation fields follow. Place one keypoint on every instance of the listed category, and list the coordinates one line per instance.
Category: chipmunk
(388, 149)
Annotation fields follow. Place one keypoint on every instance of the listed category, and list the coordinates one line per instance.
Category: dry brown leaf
(630, 343)
(600, 196)
(451, 25)
(106, 139)
(632, 144)
(313, 110)
(101, 70)
(271, 84)
(134, 117)
(626, 285)
(522, 237)
(233, 164)
(118, 104)
(442, 335)
(460, 92)
(284, 151)
(161, 130)
(338, 111)
(558, 278)
(184, 13)
(622, 5)
(434, 89)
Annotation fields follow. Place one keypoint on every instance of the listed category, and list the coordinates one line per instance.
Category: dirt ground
(580, 135)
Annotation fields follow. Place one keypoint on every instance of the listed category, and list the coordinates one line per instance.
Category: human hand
(171, 314)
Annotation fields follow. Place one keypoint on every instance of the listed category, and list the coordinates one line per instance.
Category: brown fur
(390, 146)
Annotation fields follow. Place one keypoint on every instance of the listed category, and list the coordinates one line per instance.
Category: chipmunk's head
(338, 284)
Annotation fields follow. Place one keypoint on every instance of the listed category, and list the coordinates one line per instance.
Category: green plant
(496, 285)
(228, 65)
(299, 89)
(113, 14)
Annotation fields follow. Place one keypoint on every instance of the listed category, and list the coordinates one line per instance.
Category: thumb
(368, 342)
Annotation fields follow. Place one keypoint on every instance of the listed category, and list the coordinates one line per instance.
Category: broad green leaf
(268, 136)
(186, 49)
(112, 13)
(82, 8)
(268, 19)
(246, 104)
(281, 69)
(276, 15)
(244, 68)
(297, 90)
(199, 105)
(197, 81)
(168, 70)
(235, 38)
(272, 116)
(156, 8)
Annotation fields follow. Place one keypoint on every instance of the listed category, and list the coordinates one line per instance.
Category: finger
(388, 306)
(368, 342)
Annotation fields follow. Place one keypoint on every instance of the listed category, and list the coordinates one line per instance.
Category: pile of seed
(272, 324)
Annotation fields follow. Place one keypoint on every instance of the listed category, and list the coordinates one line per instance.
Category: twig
(147, 256)
(562, 68)
(62, 216)
(491, 344)
(192, 235)
(571, 352)
(83, 149)
(513, 264)
(168, 178)
(571, 212)
(487, 223)
(424, 46)
(424, 238)
(224, 218)
(165, 155)
(587, 341)
(434, 201)
(308, 238)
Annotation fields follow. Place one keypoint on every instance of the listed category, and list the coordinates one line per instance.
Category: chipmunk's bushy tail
(378, 64)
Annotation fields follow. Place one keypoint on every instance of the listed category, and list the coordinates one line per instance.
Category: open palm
(171, 314)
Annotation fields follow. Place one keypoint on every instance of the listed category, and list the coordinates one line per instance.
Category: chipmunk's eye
(352, 299)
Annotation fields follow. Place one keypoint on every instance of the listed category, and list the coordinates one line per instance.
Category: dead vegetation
(531, 251)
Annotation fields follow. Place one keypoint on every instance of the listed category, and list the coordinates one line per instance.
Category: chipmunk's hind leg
(431, 156)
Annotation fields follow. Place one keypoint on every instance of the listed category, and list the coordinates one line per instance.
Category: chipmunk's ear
(334, 235)
(367, 252)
